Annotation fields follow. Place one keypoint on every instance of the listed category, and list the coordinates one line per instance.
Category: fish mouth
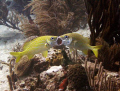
(59, 41)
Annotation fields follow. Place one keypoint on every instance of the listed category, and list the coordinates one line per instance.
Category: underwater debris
(77, 78)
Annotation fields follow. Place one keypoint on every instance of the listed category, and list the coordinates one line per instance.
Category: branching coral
(103, 19)
(100, 81)
(109, 55)
(56, 17)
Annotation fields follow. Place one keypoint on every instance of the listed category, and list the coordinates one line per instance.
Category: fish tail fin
(18, 55)
(95, 49)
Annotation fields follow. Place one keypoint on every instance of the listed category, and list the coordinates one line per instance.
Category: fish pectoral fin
(45, 53)
(95, 49)
(85, 52)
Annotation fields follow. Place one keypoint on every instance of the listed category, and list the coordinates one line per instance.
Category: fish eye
(52, 38)
(66, 36)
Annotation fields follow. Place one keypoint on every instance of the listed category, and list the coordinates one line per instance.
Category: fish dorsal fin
(45, 53)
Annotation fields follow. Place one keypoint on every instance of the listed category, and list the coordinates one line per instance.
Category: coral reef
(61, 16)
(77, 77)
(87, 76)
(59, 57)
(56, 58)
(29, 84)
(39, 64)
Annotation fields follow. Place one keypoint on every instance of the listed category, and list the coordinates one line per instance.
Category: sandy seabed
(8, 39)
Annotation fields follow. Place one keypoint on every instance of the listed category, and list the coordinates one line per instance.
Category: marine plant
(109, 55)
(103, 20)
(99, 79)
(9, 12)
(55, 17)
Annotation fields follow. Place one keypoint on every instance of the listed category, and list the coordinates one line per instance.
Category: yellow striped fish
(77, 41)
(37, 45)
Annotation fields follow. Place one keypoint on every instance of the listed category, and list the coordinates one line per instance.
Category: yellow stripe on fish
(35, 46)
(77, 41)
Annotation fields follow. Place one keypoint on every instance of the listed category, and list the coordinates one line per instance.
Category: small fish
(77, 41)
(37, 45)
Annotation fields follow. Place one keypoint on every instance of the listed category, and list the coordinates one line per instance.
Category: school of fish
(44, 43)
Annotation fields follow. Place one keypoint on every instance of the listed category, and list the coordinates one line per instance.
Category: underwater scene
(59, 45)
